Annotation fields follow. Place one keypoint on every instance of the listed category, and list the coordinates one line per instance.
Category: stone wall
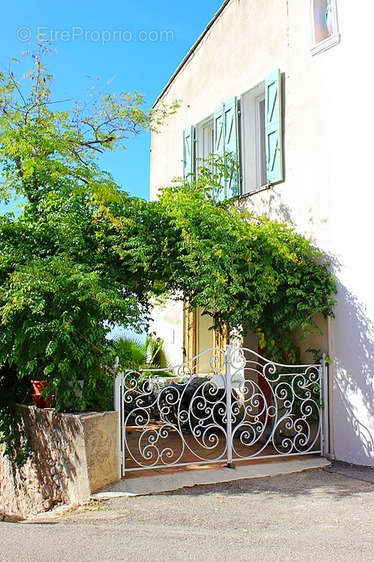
(74, 455)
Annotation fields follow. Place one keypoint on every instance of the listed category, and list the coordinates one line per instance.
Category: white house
(288, 83)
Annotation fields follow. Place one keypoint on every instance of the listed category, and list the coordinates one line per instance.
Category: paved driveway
(319, 515)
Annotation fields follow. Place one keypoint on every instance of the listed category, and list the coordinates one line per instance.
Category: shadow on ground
(341, 480)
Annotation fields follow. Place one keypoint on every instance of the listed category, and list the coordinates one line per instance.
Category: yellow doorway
(199, 336)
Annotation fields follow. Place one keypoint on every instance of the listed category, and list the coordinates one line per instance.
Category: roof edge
(191, 51)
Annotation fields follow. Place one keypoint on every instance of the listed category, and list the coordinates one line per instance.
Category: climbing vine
(81, 256)
(247, 271)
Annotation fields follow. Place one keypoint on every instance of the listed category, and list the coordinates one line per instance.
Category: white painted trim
(118, 389)
(258, 101)
(204, 122)
(258, 190)
(331, 40)
(326, 44)
(331, 377)
(250, 138)
(204, 129)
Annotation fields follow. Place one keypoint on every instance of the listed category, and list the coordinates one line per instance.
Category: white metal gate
(245, 407)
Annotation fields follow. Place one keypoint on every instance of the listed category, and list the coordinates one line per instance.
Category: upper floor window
(204, 140)
(253, 140)
(246, 135)
(325, 31)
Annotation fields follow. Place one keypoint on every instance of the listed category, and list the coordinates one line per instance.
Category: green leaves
(82, 256)
(246, 271)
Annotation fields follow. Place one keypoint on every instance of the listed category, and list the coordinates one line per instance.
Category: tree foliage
(69, 266)
(247, 271)
(82, 256)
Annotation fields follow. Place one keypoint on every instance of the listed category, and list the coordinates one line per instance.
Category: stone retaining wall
(74, 456)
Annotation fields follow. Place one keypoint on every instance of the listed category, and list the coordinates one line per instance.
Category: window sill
(254, 191)
(326, 44)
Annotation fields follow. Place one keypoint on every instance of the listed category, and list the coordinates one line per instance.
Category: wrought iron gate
(245, 407)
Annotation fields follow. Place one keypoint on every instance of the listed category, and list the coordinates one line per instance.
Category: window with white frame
(204, 141)
(325, 31)
(246, 130)
(253, 142)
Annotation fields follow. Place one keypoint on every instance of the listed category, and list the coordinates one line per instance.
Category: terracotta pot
(38, 386)
(42, 402)
(39, 400)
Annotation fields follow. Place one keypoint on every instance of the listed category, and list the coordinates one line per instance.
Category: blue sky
(121, 42)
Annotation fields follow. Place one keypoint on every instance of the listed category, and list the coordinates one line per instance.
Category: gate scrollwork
(245, 407)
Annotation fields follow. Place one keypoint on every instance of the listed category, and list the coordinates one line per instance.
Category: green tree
(82, 256)
(246, 271)
(71, 265)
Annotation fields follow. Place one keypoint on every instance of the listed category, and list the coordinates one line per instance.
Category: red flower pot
(42, 402)
(39, 400)
(38, 386)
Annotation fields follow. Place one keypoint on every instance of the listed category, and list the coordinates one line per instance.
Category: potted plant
(38, 398)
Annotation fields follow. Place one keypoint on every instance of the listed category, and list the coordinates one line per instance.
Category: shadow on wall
(269, 204)
(354, 348)
(56, 457)
(51, 474)
(354, 380)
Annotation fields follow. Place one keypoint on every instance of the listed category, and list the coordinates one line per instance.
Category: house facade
(285, 85)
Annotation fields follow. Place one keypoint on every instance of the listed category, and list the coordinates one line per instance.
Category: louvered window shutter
(273, 128)
(219, 145)
(231, 147)
(226, 144)
(189, 152)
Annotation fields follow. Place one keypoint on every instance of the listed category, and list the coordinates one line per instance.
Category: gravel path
(319, 515)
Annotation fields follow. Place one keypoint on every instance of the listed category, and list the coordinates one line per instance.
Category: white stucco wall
(329, 189)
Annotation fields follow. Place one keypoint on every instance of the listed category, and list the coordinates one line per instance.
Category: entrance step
(195, 476)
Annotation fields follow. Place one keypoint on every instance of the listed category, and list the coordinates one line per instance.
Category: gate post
(325, 414)
(228, 406)
(118, 407)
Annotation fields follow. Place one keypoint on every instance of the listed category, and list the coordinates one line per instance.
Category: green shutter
(273, 127)
(188, 152)
(231, 146)
(226, 143)
(219, 144)
(219, 131)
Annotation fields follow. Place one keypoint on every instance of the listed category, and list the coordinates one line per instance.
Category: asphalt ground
(319, 515)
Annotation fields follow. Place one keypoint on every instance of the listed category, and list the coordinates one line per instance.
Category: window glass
(253, 158)
(321, 30)
(205, 142)
(325, 32)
